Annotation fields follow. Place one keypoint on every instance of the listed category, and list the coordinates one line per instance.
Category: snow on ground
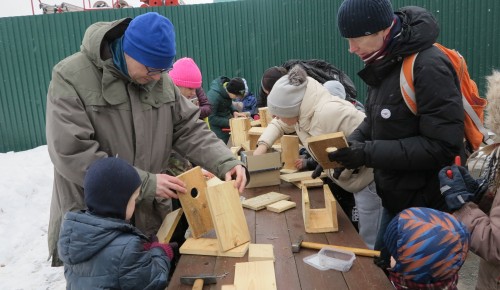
(25, 191)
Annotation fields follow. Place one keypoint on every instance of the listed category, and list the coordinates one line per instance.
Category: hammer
(198, 281)
(360, 252)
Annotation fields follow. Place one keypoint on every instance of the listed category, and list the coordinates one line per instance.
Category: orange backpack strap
(406, 82)
(408, 88)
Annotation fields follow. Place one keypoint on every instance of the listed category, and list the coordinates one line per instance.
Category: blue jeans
(379, 243)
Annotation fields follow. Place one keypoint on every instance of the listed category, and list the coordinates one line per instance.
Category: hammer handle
(357, 251)
(198, 284)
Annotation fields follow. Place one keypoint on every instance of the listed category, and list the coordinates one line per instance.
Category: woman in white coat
(302, 105)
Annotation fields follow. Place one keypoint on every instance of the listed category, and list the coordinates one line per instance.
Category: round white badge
(385, 113)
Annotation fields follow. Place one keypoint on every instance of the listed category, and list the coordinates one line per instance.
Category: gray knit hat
(335, 88)
(358, 18)
(285, 98)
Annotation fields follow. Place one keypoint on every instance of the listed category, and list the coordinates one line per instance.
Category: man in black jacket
(405, 150)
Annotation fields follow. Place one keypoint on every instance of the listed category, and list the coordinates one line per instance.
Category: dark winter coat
(203, 103)
(408, 150)
(321, 71)
(108, 253)
(222, 108)
(249, 103)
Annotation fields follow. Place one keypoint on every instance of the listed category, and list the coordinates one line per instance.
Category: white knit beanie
(286, 96)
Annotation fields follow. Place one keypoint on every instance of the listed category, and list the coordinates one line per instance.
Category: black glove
(317, 172)
(337, 171)
(350, 157)
(456, 189)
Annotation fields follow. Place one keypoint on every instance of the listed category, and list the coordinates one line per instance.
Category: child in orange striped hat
(428, 248)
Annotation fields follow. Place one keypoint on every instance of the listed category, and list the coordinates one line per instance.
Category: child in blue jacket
(99, 247)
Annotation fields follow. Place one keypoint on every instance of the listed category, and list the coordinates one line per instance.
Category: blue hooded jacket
(108, 253)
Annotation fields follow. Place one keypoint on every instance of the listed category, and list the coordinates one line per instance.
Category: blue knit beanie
(428, 245)
(150, 40)
(358, 18)
(108, 186)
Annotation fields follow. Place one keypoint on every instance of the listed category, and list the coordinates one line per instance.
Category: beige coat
(93, 111)
(321, 113)
(485, 240)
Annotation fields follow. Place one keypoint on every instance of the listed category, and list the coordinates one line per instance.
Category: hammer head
(296, 245)
(207, 279)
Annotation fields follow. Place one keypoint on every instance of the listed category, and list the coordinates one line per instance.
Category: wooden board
(196, 208)
(309, 183)
(319, 146)
(281, 206)
(320, 220)
(288, 171)
(299, 176)
(255, 276)
(210, 247)
(168, 226)
(261, 252)
(265, 116)
(228, 287)
(227, 216)
(239, 130)
(312, 182)
(255, 123)
(289, 151)
(261, 201)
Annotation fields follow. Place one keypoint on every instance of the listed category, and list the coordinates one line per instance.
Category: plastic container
(313, 260)
(337, 259)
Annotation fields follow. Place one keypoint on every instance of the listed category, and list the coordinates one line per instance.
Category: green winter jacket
(93, 111)
(222, 108)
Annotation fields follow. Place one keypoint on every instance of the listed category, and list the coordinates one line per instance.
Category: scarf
(119, 56)
(395, 31)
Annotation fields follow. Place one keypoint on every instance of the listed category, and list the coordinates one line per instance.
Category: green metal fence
(240, 38)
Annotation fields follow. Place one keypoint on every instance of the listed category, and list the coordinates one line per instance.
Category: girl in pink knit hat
(187, 77)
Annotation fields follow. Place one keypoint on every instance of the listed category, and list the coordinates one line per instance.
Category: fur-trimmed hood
(493, 97)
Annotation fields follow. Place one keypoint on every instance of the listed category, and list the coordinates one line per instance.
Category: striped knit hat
(428, 245)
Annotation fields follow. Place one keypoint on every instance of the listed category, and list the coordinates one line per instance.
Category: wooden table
(281, 229)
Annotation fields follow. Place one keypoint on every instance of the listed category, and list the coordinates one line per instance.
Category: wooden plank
(288, 171)
(255, 276)
(312, 182)
(210, 247)
(265, 116)
(319, 220)
(289, 150)
(227, 215)
(239, 130)
(228, 287)
(281, 206)
(319, 147)
(260, 252)
(299, 176)
(261, 201)
(195, 202)
(168, 226)
(255, 123)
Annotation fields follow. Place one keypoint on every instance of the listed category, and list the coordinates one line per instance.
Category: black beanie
(358, 18)
(236, 86)
(108, 186)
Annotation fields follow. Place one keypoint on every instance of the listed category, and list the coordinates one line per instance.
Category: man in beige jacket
(303, 106)
(113, 99)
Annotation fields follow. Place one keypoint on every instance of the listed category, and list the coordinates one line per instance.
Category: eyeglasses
(155, 71)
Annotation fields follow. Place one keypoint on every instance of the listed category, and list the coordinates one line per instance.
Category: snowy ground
(25, 191)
